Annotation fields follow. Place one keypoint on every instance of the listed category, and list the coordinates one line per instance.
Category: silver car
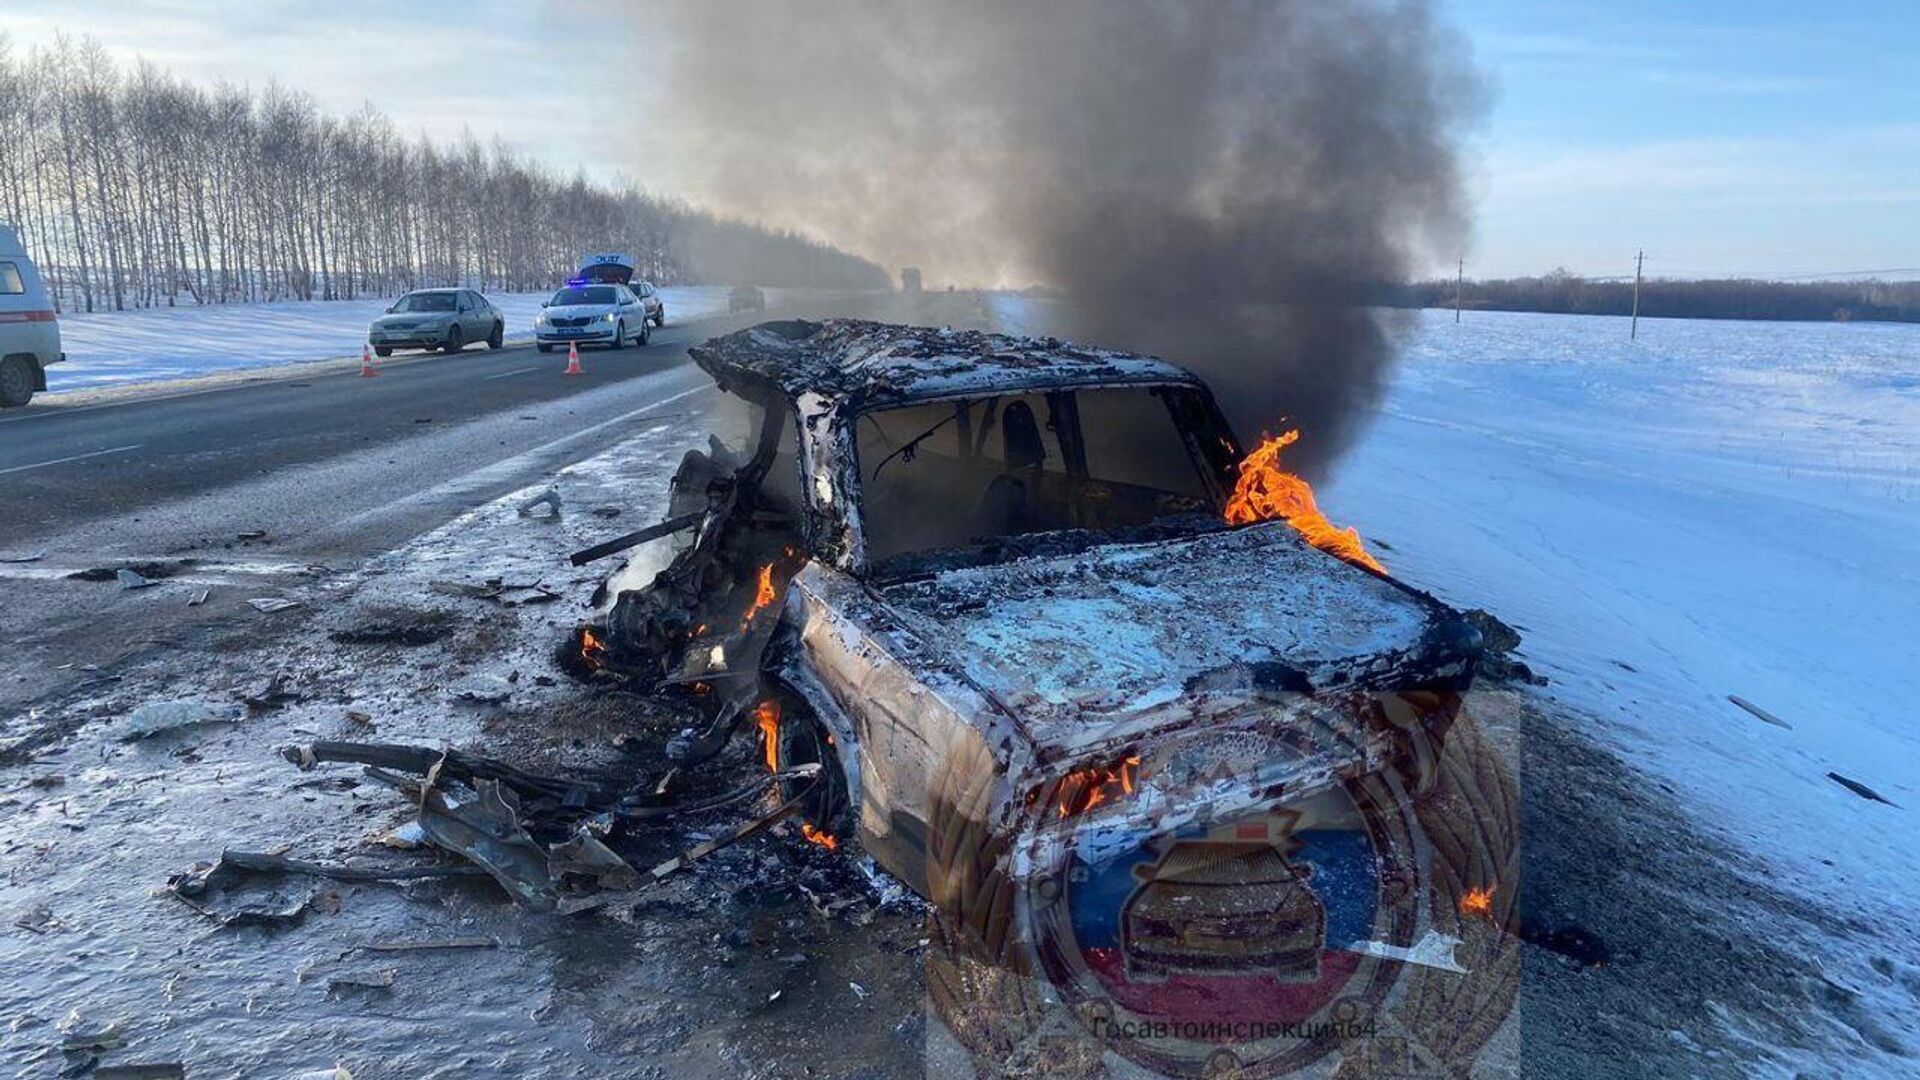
(446, 319)
(588, 314)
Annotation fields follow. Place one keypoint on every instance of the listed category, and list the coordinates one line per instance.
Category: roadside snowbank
(1721, 508)
(155, 344)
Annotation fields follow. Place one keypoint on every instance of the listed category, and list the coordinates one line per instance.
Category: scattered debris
(24, 557)
(1499, 641)
(461, 588)
(85, 1045)
(585, 856)
(428, 946)
(408, 837)
(1861, 789)
(38, 919)
(130, 580)
(171, 1070)
(356, 718)
(375, 981)
(271, 604)
(573, 906)
(157, 716)
(606, 513)
(549, 498)
(451, 764)
(199, 597)
(400, 628)
(487, 832)
(270, 695)
(234, 864)
(338, 1072)
(199, 889)
(1435, 950)
(539, 838)
(482, 689)
(150, 570)
(1759, 712)
(501, 592)
(251, 535)
(636, 538)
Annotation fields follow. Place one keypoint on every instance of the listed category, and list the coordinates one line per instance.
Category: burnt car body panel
(1051, 656)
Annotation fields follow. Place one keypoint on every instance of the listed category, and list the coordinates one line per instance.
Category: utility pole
(1459, 278)
(1639, 262)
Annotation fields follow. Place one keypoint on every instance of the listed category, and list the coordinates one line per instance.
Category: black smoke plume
(1226, 183)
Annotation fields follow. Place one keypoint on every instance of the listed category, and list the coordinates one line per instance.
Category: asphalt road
(328, 462)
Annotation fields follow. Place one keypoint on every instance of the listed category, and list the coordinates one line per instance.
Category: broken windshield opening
(949, 475)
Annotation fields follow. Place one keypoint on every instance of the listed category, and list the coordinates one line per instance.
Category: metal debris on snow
(1758, 712)
(1861, 789)
(549, 498)
(158, 716)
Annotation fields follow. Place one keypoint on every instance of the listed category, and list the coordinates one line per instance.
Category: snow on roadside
(1719, 509)
(154, 344)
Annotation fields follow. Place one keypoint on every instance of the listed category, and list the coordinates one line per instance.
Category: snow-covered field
(156, 344)
(1720, 508)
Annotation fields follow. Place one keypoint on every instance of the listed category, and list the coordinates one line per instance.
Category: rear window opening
(951, 475)
(433, 301)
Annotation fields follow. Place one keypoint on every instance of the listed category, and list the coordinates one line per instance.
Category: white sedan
(588, 314)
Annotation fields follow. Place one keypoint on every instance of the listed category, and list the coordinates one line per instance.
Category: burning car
(1016, 588)
(1107, 689)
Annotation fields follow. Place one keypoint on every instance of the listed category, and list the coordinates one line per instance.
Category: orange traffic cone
(367, 370)
(573, 359)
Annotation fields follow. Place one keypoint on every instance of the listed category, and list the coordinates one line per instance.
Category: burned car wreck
(991, 583)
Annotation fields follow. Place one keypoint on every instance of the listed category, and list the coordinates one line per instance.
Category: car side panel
(903, 726)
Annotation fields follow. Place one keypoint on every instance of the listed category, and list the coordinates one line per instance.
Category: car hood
(412, 318)
(574, 311)
(1126, 628)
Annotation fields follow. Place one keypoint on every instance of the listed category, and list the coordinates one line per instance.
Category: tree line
(138, 189)
(1730, 298)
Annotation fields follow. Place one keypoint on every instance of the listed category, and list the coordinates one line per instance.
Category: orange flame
(819, 836)
(591, 647)
(1265, 491)
(764, 596)
(767, 715)
(1083, 789)
(1478, 902)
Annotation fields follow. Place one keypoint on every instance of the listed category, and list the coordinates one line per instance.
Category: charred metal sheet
(1096, 636)
(866, 364)
(488, 832)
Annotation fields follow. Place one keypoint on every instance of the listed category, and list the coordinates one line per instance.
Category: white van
(29, 331)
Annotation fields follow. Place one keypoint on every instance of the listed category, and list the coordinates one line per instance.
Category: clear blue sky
(1725, 135)
(1760, 136)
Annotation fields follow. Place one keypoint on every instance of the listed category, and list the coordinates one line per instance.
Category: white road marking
(76, 457)
(504, 374)
(460, 488)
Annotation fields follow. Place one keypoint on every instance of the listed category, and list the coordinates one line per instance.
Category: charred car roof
(861, 365)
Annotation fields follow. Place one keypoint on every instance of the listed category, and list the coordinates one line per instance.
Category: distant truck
(29, 327)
